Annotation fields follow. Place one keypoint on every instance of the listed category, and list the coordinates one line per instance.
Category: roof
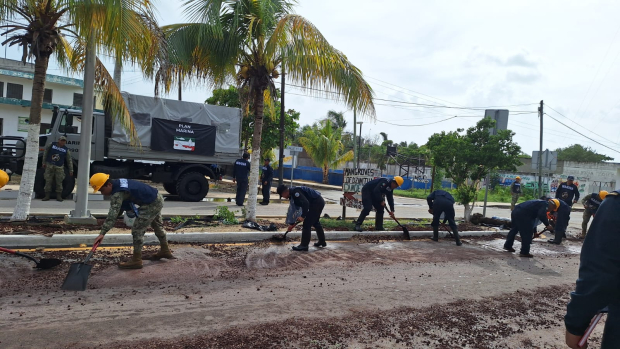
(56, 79)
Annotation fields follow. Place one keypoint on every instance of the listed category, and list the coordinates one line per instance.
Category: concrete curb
(74, 240)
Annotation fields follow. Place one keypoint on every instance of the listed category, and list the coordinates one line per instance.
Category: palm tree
(337, 119)
(46, 27)
(250, 42)
(324, 145)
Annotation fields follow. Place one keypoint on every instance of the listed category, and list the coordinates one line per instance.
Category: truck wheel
(192, 187)
(171, 188)
(39, 185)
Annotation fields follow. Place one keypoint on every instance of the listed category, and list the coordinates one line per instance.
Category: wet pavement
(361, 293)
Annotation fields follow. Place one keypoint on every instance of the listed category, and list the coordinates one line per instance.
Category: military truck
(179, 144)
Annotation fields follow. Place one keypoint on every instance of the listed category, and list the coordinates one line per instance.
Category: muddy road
(359, 294)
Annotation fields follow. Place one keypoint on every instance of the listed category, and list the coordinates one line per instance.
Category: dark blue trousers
(523, 225)
(242, 188)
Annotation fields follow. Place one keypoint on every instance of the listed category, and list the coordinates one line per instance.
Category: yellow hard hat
(4, 178)
(399, 180)
(518, 177)
(556, 202)
(602, 194)
(98, 180)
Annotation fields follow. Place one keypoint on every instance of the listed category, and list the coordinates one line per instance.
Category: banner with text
(176, 136)
(354, 180)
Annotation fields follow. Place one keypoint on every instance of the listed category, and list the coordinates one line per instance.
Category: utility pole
(180, 85)
(359, 145)
(355, 150)
(281, 155)
(540, 150)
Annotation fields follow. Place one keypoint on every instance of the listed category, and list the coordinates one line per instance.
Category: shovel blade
(48, 263)
(77, 278)
(406, 232)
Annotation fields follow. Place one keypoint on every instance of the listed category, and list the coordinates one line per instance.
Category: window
(47, 96)
(1, 89)
(14, 91)
(77, 100)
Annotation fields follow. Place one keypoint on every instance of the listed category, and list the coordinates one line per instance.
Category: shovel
(44, 263)
(78, 274)
(443, 224)
(282, 237)
(405, 230)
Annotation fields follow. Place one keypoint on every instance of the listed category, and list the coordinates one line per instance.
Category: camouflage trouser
(515, 198)
(587, 214)
(53, 173)
(148, 216)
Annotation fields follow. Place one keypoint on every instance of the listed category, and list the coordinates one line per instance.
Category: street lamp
(359, 143)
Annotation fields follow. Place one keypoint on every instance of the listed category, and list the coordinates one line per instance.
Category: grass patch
(388, 223)
(499, 194)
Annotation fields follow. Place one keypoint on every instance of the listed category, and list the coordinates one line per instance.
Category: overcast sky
(464, 53)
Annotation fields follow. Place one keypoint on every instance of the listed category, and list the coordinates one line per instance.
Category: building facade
(16, 94)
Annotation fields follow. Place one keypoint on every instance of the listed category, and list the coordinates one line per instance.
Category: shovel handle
(7, 250)
(395, 220)
(90, 254)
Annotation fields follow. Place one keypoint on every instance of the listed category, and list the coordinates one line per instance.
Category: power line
(547, 105)
(572, 129)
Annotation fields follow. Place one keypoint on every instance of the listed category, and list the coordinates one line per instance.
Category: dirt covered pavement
(361, 293)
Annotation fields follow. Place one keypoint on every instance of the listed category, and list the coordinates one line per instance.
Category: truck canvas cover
(178, 126)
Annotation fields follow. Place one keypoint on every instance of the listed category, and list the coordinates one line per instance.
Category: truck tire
(113, 171)
(192, 187)
(39, 185)
(171, 188)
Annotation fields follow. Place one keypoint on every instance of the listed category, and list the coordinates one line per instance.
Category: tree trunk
(118, 69)
(325, 175)
(22, 208)
(468, 210)
(259, 105)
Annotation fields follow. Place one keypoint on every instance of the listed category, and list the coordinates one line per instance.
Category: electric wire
(594, 133)
(572, 129)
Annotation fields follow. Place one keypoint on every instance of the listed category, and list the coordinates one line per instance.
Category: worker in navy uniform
(562, 216)
(598, 285)
(439, 202)
(591, 204)
(568, 191)
(265, 180)
(523, 221)
(311, 203)
(374, 194)
(240, 176)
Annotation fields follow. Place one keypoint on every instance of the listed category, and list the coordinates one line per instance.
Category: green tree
(249, 41)
(337, 118)
(44, 28)
(578, 152)
(467, 157)
(324, 145)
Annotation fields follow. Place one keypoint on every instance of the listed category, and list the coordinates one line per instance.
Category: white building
(16, 92)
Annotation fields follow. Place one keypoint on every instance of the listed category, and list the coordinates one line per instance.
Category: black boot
(456, 237)
(300, 248)
(435, 234)
(379, 227)
(320, 244)
(557, 240)
(358, 227)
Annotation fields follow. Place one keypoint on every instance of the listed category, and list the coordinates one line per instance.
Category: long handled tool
(443, 224)
(282, 237)
(405, 230)
(44, 263)
(597, 318)
(78, 274)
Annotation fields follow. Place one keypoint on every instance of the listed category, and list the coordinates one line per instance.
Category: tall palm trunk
(325, 174)
(259, 106)
(22, 208)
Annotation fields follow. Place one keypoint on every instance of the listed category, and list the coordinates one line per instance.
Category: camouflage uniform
(515, 189)
(148, 215)
(55, 173)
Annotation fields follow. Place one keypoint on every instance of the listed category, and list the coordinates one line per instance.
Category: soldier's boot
(164, 252)
(435, 234)
(358, 226)
(134, 263)
(456, 237)
(59, 197)
(47, 197)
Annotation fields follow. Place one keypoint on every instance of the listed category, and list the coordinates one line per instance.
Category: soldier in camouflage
(515, 190)
(125, 195)
(54, 158)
